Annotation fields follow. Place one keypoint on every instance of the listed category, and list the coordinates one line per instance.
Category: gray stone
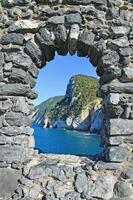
(117, 154)
(20, 105)
(56, 20)
(81, 183)
(34, 52)
(23, 26)
(61, 40)
(128, 174)
(119, 127)
(114, 2)
(12, 154)
(117, 87)
(13, 38)
(119, 30)
(1, 58)
(85, 40)
(100, 165)
(111, 58)
(46, 43)
(117, 140)
(73, 18)
(123, 190)
(73, 39)
(102, 188)
(96, 51)
(19, 76)
(14, 131)
(8, 67)
(37, 171)
(19, 60)
(120, 42)
(9, 182)
(84, 2)
(34, 71)
(72, 196)
(17, 90)
(8, 3)
(16, 119)
(127, 74)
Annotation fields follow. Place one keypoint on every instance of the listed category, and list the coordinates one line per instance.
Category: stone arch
(31, 33)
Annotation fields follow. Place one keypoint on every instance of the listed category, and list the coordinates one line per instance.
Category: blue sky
(54, 77)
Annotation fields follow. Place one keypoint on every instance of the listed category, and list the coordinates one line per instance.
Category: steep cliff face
(77, 110)
(42, 111)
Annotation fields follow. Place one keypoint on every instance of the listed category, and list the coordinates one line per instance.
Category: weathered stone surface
(114, 2)
(120, 30)
(23, 26)
(34, 52)
(86, 39)
(117, 154)
(13, 131)
(113, 98)
(12, 154)
(61, 40)
(8, 3)
(16, 119)
(128, 174)
(57, 20)
(13, 38)
(102, 188)
(46, 42)
(83, 2)
(127, 74)
(73, 18)
(17, 90)
(120, 42)
(123, 190)
(81, 183)
(73, 39)
(19, 60)
(117, 87)
(111, 58)
(119, 127)
(9, 182)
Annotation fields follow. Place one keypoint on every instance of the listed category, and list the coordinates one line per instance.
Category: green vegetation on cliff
(80, 94)
(80, 98)
(44, 109)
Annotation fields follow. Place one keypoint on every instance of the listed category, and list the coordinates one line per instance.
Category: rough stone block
(84, 2)
(17, 90)
(73, 39)
(56, 20)
(12, 154)
(13, 38)
(117, 154)
(73, 18)
(85, 40)
(9, 182)
(117, 87)
(34, 52)
(23, 26)
(17, 119)
(119, 127)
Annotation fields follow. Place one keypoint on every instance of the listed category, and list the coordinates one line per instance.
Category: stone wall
(31, 32)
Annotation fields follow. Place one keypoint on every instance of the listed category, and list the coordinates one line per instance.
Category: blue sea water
(60, 141)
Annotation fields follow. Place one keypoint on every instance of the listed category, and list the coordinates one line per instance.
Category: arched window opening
(67, 117)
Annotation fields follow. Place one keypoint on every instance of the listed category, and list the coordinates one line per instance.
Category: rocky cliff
(78, 110)
(41, 112)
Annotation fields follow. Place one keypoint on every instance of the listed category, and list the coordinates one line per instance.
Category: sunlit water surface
(60, 141)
